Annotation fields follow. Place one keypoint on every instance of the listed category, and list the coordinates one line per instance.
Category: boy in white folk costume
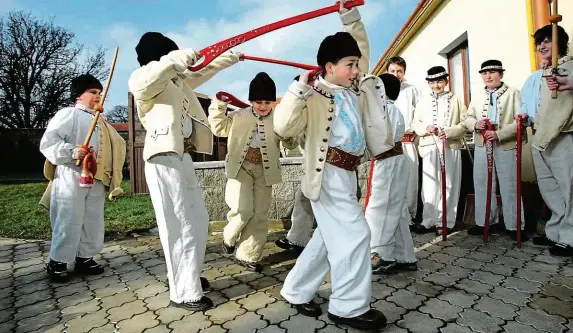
(387, 213)
(552, 143)
(500, 105)
(406, 103)
(176, 125)
(252, 166)
(339, 123)
(439, 115)
(76, 213)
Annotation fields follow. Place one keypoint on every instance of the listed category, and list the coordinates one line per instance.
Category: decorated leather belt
(408, 137)
(188, 147)
(396, 151)
(254, 156)
(342, 159)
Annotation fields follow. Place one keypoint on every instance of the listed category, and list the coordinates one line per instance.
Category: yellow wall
(566, 10)
(496, 29)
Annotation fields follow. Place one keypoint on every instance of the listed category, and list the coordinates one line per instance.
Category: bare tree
(38, 60)
(118, 114)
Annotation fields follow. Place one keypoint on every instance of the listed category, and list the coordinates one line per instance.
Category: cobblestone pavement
(461, 286)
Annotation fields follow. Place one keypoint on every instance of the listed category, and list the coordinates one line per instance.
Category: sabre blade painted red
(211, 52)
(281, 62)
(231, 99)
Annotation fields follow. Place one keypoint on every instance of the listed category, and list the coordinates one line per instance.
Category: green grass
(22, 217)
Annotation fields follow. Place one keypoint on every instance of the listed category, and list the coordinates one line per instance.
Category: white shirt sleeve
(58, 141)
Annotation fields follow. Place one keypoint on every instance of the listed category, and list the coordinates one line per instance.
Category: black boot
(371, 320)
(227, 249)
(310, 309)
(285, 244)
(205, 303)
(251, 266)
(381, 266)
(87, 266)
(420, 229)
(543, 240)
(57, 271)
(405, 267)
(561, 250)
(513, 235)
(476, 230)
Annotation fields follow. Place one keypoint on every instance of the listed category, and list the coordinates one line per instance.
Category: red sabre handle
(211, 52)
(281, 62)
(231, 99)
(520, 123)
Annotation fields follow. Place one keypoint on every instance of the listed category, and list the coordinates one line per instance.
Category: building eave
(421, 14)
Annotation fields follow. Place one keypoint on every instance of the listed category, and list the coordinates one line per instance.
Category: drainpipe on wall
(540, 16)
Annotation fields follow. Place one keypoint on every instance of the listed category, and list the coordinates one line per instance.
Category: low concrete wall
(212, 180)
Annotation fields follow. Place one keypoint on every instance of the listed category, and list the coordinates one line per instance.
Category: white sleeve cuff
(351, 16)
(300, 90)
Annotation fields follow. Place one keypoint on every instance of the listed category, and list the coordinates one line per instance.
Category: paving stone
(474, 287)
(441, 310)
(441, 279)
(509, 262)
(565, 271)
(214, 329)
(150, 290)
(36, 323)
(521, 285)
(245, 323)
(7, 302)
(217, 298)
(238, 291)
(429, 265)
(396, 281)
(487, 278)
(6, 315)
(81, 308)
(276, 312)
(454, 251)
(255, 301)
(126, 311)
(406, 299)
(87, 322)
(540, 320)
(70, 289)
(425, 288)
(468, 263)
(510, 296)
(225, 312)
(552, 305)
(29, 270)
(381, 291)
(423, 254)
(264, 282)
(247, 276)
(33, 298)
(481, 256)
(223, 283)
(110, 290)
(492, 250)
(519, 254)
(479, 321)
(549, 259)
(388, 329)
(158, 329)
(58, 328)
(532, 275)
(456, 271)
(30, 278)
(34, 309)
(458, 297)
(138, 323)
(302, 324)
(191, 323)
(496, 308)
(417, 322)
(141, 282)
(561, 280)
(75, 299)
(513, 327)
(542, 267)
(392, 312)
(560, 292)
(127, 267)
(170, 314)
(455, 328)
(117, 300)
(442, 258)
(277, 329)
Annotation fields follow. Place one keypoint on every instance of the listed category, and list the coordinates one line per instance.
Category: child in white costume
(76, 213)
(387, 213)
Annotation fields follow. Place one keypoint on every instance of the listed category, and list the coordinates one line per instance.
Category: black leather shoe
(205, 303)
(513, 235)
(405, 266)
(285, 244)
(381, 266)
(204, 283)
(420, 229)
(57, 271)
(251, 266)
(371, 320)
(543, 240)
(228, 249)
(561, 250)
(439, 231)
(476, 230)
(310, 309)
(87, 266)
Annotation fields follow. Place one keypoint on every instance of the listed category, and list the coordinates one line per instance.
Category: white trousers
(387, 214)
(302, 220)
(411, 153)
(554, 168)
(76, 216)
(182, 220)
(505, 169)
(432, 185)
(249, 198)
(341, 244)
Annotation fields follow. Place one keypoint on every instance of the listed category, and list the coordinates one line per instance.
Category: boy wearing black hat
(499, 105)
(439, 116)
(342, 115)
(76, 212)
(391, 244)
(176, 125)
(252, 166)
(553, 141)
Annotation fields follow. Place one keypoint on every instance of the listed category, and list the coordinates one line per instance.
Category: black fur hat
(152, 46)
(391, 85)
(83, 83)
(262, 88)
(335, 47)
(436, 73)
(492, 66)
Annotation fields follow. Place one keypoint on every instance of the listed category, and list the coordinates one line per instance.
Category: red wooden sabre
(520, 127)
(443, 183)
(489, 155)
(280, 62)
(211, 52)
(231, 99)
